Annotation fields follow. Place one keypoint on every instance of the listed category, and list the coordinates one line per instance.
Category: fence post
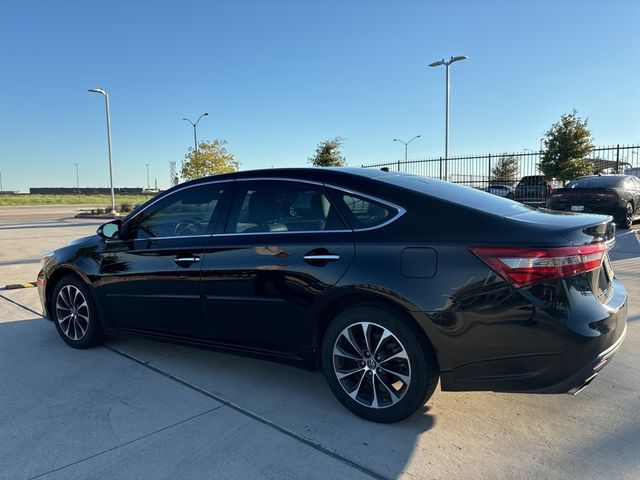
(398, 165)
(489, 176)
(618, 159)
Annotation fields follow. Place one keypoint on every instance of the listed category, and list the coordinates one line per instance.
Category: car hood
(84, 241)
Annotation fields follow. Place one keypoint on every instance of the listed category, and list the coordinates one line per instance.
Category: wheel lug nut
(362, 364)
(367, 354)
(368, 373)
(378, 357)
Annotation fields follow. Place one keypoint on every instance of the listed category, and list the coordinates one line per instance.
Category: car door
(284, 246)
(150, 276)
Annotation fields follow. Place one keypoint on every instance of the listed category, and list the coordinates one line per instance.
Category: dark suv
(534, 190)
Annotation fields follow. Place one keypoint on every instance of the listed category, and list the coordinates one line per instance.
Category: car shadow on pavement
(288, 398)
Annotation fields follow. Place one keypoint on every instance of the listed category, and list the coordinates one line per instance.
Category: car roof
(304, 173)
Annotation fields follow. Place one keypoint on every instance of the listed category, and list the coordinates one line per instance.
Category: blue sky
(277, 77)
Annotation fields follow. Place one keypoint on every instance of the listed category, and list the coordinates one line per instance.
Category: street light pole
(195, 125)
(148, 187)
(77, 178)
(106, 99)
(406, 144)
(446, 121)
(1, 189)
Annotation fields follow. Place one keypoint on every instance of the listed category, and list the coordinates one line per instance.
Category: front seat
(264, 212)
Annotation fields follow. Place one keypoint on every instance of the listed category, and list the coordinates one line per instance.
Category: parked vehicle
(534, 190)
(386, 281)
(501, 191)
(632, 171)
(616, 195)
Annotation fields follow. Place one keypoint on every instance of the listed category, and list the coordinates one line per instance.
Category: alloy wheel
(371, 365)
(72, 312)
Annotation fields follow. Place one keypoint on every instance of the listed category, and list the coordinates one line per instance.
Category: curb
(98, 217)
(16, 286)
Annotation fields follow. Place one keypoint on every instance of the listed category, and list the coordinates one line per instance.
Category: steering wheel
(192, 226)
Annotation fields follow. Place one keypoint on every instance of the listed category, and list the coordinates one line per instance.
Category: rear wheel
(378, 365)
(75, 315)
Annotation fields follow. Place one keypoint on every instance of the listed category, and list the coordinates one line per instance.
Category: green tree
(328, 154)
(567, 144)
(211, 158)
(505, 170)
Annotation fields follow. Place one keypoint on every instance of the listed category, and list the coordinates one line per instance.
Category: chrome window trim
(400, 210)
(284, 232)
(172, 193)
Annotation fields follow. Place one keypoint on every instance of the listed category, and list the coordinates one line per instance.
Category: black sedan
(387, 282)
(617, 195)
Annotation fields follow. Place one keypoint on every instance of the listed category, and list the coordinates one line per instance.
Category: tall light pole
(406, 144)
(195, 125)
(106, 100)
(148, 187)
(77, 178)
(446, 124)
(1, 189)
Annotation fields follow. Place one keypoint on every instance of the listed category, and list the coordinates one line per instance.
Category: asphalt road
(138, 409)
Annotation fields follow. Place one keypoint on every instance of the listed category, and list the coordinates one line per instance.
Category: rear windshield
(595, 182)
(458, 194)
(538, 180)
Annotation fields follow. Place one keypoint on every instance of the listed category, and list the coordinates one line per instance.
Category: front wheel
(627, 217)
(378, 364)
(75, 315)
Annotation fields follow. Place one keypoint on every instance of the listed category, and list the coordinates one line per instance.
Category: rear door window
(280, 206)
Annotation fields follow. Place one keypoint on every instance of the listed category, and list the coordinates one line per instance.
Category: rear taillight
(525, 266)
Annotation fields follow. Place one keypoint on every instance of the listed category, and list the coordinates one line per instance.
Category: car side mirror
(110, 231)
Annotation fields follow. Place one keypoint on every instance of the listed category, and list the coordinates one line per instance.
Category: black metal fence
(478, 171)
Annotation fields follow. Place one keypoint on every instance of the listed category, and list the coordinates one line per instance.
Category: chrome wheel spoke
(61, 298)
(79, 326)
(374, 402)
(392, 393)
(405, 378)
(354, 393)
(365, 333)
(342, 353)
(344, 374)
(401, 354)
(352, 341)
(385, 334)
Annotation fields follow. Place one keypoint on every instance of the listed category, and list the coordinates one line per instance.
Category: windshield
(595, 182)
(461, 195)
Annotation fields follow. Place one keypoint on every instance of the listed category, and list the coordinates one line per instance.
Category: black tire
(510, 196)
(81, 328)
(626, 220)
(375, 384)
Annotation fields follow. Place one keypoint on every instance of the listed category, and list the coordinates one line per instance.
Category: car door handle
(191, 259)
(322, 257)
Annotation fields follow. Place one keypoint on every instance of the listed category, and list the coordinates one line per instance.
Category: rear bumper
(563, 354)
(582, 378)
